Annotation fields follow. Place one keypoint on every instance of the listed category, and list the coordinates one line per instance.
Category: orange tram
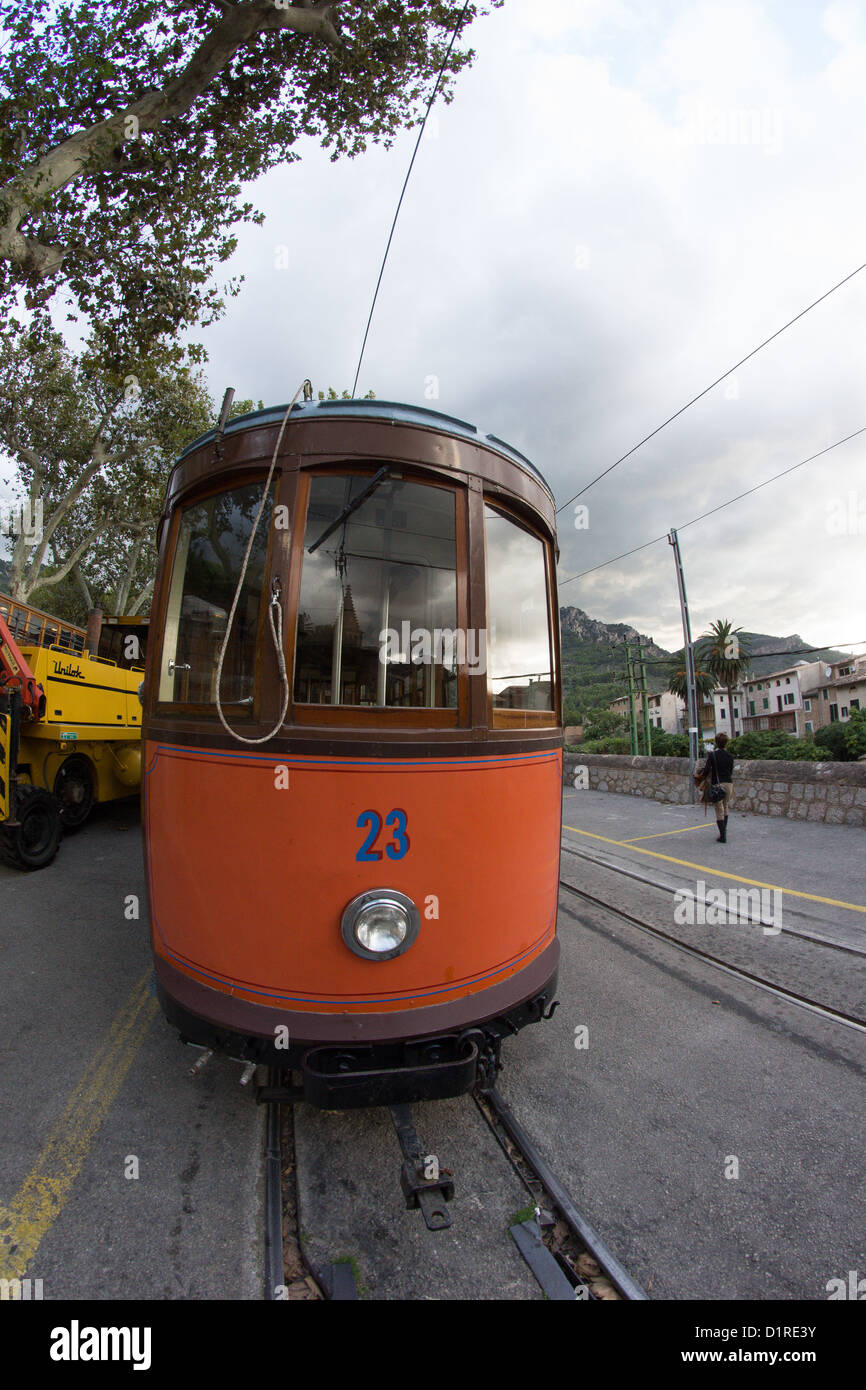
(353, 749)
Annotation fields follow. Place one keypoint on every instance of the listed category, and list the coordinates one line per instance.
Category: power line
(719, 508)
(458, 26)
(773, 479)
(759, 656)
(709, 388)
(604, 563)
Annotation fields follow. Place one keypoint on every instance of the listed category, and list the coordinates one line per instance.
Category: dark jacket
(724, 766)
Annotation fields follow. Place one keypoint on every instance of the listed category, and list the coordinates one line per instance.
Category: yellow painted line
(719, 873)
(710, 825)
(47, 1187)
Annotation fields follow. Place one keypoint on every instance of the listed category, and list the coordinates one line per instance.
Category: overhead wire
(759, 656)
(774, 479)
(709, 388)
(458, 26)
(719, 508)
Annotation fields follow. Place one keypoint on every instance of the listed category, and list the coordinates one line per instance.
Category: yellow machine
(70, 727)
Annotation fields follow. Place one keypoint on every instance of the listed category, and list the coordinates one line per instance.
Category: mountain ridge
(593, 659)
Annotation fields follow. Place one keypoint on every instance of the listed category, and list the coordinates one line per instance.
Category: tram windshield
(377, 613)
(519, 638)
(210, 548)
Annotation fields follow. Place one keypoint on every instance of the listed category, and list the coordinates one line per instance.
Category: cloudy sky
(621, 201)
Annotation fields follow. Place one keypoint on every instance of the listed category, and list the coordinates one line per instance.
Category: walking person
(718, 771)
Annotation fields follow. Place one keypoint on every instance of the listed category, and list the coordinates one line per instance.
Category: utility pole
(647, 737)
(632, 712)
(690, 665)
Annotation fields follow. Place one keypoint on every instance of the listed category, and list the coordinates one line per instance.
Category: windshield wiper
(351, 507)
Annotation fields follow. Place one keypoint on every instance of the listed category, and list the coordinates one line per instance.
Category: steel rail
(787, 995)
(577, 1224)
(668, 888)
(274, 1270)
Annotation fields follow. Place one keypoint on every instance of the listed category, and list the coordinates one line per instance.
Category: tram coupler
(425, 1184)
(274, 1084)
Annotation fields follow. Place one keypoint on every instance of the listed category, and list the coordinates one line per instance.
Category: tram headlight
(380, 924)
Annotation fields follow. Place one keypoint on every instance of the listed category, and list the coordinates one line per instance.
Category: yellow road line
(710, 825)
(719, 873)
(47, 1187)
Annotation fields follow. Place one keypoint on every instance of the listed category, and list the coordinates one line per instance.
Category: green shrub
(832, 740)
(855, 736)
(844, 742)
(603, 723)
(775, 743)
(612, 744)
(669, 745)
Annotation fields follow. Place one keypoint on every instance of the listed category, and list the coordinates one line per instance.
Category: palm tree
(726, 657)
(679, 682)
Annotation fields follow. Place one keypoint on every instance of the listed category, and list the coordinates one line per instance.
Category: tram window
(211, 543)
(377, 613)
(518, 642)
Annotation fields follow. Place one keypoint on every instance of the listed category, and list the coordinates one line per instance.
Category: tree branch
(140, 600)
(66, 503)
(94, 148)
(88, 599)
(29, 456)
(76, 555)
(122, 591)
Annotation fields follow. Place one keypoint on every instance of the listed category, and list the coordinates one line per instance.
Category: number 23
(398, 846)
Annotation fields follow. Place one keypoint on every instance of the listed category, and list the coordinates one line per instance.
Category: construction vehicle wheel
(75, 793)
(32, 843)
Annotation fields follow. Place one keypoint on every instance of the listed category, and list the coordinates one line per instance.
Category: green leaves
(173, 183)
(723, 652)
(704, 679)
(62, 413)
(128, 129)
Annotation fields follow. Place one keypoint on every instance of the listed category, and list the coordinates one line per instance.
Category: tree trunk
(83, 585)
(121, 596)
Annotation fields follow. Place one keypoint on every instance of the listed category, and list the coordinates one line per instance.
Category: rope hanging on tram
(275, 611)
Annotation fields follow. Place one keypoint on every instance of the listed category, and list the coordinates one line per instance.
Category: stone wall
(833, 793)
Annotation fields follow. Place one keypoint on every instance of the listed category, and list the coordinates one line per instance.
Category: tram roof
(375, 410)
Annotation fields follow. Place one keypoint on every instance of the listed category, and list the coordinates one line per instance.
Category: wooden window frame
(525, 718)
(249, 715)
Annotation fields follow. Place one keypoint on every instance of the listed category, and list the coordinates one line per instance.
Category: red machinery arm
(15, 674)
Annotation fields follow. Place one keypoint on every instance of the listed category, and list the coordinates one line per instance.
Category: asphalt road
(688, 1077)
(121, 1175)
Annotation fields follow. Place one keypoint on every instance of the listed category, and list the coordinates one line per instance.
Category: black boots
(723, 831)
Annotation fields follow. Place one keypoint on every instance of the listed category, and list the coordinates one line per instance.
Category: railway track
(274, 1266)
(570, 1264)
(814, 937)
(566, 1256)
(696, 953)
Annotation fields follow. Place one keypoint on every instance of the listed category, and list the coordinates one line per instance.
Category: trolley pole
(632, 711)
(647, 737)
(690, 665)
